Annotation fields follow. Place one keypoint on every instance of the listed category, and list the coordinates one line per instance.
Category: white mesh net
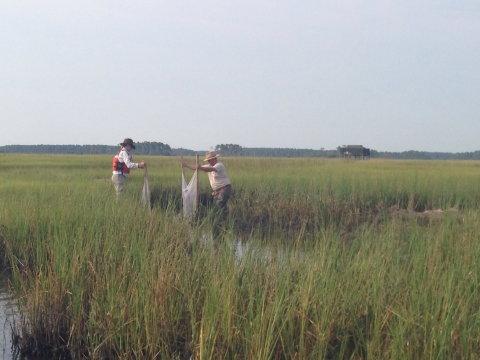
(146, 192)
(189, 195)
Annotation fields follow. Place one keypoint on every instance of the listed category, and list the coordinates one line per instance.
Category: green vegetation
(341, 260)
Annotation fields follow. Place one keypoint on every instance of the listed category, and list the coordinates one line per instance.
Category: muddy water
(7, 313)
(6, 318)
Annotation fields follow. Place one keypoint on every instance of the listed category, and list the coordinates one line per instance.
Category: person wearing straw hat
(219, 181)
(122, 164)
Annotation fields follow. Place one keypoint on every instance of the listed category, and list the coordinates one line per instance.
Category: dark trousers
(220, 199)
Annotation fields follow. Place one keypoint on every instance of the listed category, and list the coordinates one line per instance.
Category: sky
(391, 75)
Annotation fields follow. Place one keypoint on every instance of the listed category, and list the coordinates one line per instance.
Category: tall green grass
(96, 278)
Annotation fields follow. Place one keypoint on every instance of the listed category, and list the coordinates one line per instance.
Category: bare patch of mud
(379, 216)
(423, 217)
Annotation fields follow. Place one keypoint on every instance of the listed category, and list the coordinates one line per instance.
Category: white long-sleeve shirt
(125, 157)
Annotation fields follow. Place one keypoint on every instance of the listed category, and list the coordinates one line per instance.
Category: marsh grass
(101, 279)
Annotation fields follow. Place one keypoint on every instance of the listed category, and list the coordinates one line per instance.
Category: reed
(96, 278)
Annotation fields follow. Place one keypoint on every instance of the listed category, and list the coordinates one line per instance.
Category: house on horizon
(354, 151)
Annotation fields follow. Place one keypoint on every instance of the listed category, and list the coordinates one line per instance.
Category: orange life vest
(120, 166)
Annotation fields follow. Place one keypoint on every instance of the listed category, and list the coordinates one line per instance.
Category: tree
(229, 149)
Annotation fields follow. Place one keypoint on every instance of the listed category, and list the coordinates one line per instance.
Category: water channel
(7, 309)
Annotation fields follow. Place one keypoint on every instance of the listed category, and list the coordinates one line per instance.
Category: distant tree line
(186, 152)
(141, 148)
(289, 152)
(159, 148)
(229, 149)
(237, 150)
(425, 155)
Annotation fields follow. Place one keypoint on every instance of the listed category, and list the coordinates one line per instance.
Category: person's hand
(142, 165)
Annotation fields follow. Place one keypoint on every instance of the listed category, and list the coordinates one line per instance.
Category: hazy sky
(392, 75)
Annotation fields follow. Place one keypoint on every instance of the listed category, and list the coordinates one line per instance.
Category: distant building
(354, 151)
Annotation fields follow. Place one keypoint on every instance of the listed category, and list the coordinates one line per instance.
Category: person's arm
(188, 166)
(124, 157)
(207, 168)
(197, 166)
(212, 168)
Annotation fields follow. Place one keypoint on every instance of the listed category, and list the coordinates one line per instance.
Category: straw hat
(128, 141)
(210, 155)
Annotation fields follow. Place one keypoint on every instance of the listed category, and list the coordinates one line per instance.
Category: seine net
(189, 195)
(146, 192)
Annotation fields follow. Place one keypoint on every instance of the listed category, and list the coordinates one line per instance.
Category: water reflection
(266, 253)
(6, 318)
(260, 252)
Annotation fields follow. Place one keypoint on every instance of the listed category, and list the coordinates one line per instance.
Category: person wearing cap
(122, 164)
(219, 181)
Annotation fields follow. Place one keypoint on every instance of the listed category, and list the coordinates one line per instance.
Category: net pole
(196, 186)
(183, 177)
